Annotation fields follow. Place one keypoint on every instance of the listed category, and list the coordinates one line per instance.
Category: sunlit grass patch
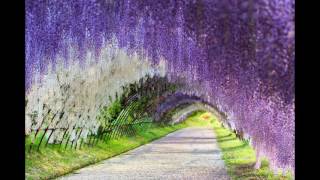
(199, 118)
(206, 116)
(240, 158)
(52, 162)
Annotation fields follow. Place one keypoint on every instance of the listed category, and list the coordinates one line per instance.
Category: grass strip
(52, 162)
(240, 157)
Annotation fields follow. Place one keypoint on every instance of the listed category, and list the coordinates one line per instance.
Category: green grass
(240, 158)
(52, 162)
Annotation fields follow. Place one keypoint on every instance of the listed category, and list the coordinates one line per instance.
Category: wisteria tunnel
(156, 61)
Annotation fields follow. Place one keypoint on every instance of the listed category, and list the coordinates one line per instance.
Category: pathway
(190, 153)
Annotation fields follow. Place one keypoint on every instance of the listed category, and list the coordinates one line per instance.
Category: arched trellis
(184, 112)
(186, 109)
(138, 100)
(179, 99)
(240, 55)
(186, 105)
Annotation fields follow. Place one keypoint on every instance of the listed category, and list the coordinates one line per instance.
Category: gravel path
(190, 153)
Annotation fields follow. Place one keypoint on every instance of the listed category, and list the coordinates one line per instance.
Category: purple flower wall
(237, 55)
